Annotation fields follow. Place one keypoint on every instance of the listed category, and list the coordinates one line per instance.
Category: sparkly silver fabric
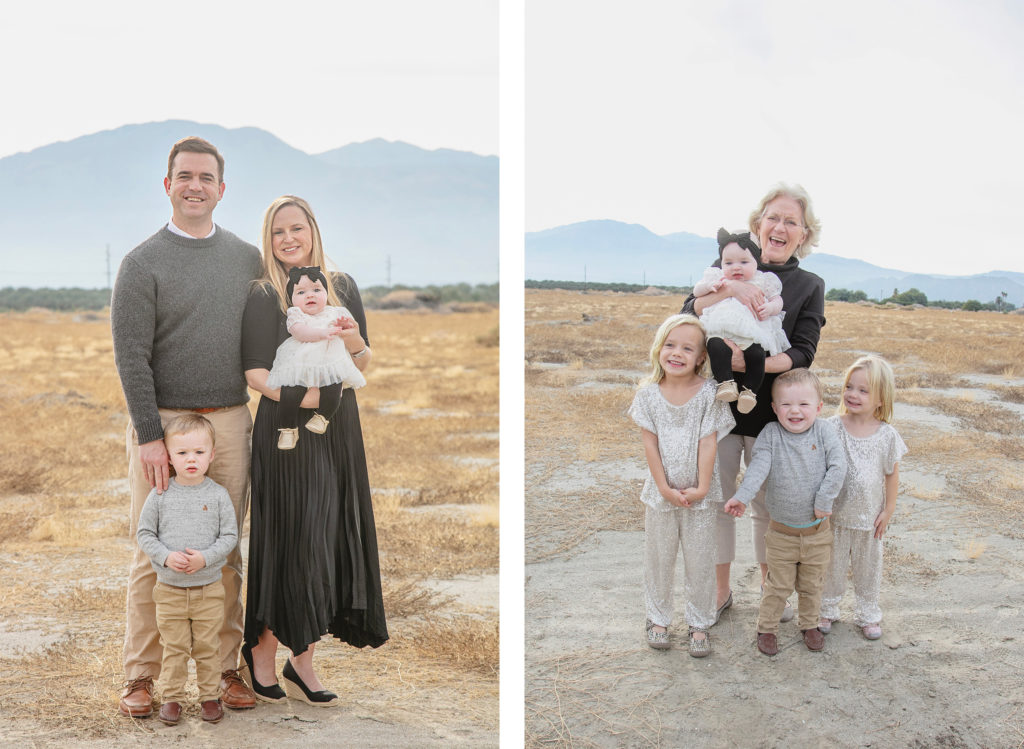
(868, 461)
(666, 530)
(855, 549)
(860, 552)
(679, 430)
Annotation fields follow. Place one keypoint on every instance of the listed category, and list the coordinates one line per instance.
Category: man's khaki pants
(189, 622)
(230, 469)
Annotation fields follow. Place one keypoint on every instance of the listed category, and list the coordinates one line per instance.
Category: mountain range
(388, 211)
(605, 251)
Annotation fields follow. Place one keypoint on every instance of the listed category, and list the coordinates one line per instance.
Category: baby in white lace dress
(733, 320)
(314, 355)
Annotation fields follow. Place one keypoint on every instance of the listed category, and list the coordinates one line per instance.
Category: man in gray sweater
(187, 532)
(802, 464)
(176, 317)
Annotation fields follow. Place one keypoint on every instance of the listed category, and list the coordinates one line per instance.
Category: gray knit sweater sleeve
(188, 517)
(760, 465)
(176, 321)
(835, 467)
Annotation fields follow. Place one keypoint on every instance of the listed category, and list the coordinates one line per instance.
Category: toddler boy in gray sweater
(802, 464)
(188, 532)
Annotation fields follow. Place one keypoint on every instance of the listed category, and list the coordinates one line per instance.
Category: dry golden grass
(430, 421)
(585, 353)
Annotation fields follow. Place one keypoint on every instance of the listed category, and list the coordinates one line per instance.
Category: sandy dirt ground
(948, 671)
(65, 547)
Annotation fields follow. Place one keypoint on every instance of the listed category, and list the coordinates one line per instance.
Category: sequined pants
(694, 530)
(860, 552)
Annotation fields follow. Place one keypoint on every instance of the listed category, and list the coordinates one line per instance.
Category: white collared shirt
(182, 233)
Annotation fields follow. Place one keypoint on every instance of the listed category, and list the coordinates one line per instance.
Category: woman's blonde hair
(275, 275)
(657, 374)
(812, 226)
(881, 385)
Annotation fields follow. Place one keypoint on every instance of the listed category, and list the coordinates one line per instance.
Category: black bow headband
(312, 272)
(743, 240)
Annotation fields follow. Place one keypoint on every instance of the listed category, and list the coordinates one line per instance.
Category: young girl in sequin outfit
(868, 498)
(680, 423)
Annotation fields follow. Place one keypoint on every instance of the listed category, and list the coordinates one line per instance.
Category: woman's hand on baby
(739, 364)
(735, 508)
(746, 294)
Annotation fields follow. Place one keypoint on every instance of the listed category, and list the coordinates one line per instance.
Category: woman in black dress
(313, 565)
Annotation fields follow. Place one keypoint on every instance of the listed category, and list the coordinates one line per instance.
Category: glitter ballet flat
(872, 631)
(702, 647)
(657, 640)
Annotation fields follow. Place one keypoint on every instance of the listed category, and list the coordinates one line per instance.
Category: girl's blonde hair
(657, 374)
(881, 385)
(275, 275)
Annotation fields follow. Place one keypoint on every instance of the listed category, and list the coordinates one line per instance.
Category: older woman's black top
(803, 300)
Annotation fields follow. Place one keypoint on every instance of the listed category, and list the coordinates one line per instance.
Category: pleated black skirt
(313, 566)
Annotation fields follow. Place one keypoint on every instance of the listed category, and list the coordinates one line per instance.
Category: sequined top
(679, 430)
(869, 460)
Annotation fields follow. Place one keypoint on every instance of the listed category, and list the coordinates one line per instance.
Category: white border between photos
(511, 151)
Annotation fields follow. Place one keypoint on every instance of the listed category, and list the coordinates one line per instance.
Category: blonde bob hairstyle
(275, 274)
(881, 385)
(657, 374)
(812, 226)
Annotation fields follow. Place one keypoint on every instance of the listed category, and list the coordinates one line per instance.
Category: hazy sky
(318, 75)
(903, 120)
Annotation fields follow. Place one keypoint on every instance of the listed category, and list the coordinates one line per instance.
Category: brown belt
(791, 531)
(205, 410)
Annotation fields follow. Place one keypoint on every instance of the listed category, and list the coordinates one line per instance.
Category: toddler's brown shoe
(814, 639)
(170, 712)
(767, 643)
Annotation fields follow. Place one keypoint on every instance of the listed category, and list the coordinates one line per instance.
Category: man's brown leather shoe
(234, 693)
(170, 712)
(814, 639)
(212, 711)
(767, 643)
(137, 698)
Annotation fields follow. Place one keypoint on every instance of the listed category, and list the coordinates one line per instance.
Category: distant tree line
(20, 299)
(434, 294)
(916, 296)
(591, 286)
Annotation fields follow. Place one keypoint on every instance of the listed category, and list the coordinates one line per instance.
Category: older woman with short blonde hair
(786, 229)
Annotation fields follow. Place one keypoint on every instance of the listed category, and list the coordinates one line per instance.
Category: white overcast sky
(318, 75)
(903, 119)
